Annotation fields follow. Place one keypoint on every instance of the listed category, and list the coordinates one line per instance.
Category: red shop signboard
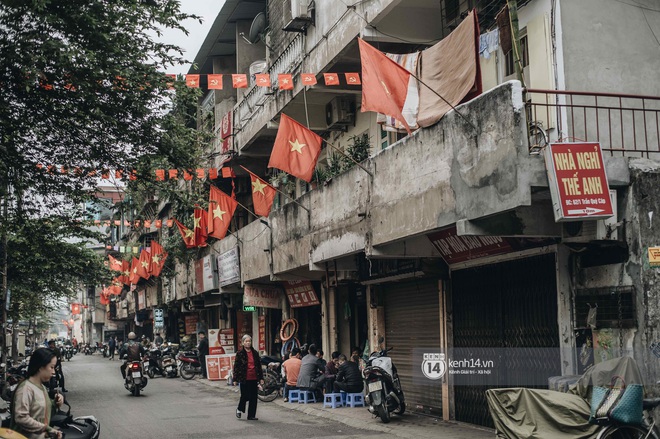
(578, 183)
(301, 293)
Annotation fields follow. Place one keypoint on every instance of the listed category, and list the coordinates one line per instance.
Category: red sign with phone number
(578, 182)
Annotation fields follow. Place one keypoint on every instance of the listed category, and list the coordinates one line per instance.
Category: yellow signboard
(654, 256)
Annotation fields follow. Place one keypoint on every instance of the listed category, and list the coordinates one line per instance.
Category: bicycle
(646, 430)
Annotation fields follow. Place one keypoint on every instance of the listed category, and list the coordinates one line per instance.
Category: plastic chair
(294, 395)
(354, 400)
(306, 396)
(333, 400)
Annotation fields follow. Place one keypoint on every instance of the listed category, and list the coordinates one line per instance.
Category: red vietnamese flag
(285, 81)
(308, 78)
(187, 235)
(134, 277)
(384, 83)
(158, 257)
(221, 211)
(143, 264)
(262, 194)
(200, 228)
(125, 277)
(331, 78)
(296, 149)
(239, 80)
(160, 174)
(75, 308)
(115, 264)
(116, 287)
(192, 81)
(262, 79)
(215, 82)
(105, 300)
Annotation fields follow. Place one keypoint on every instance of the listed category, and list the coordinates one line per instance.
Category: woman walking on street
(247, 373)
(31, 406)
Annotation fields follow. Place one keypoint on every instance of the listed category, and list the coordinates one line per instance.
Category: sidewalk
(410, 425)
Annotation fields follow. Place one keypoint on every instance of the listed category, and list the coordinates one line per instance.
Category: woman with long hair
(31, 406)
(248, 373)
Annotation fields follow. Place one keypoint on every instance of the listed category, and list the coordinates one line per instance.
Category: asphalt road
(174, 408)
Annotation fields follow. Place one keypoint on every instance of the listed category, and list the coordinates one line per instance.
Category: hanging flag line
(284, 80)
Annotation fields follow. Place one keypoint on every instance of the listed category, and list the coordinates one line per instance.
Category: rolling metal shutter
(510, 304)
(412, 321)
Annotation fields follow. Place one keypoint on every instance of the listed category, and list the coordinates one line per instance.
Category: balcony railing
(625, 125)
(288, 62)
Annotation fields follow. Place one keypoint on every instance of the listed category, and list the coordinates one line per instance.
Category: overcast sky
(208, 9)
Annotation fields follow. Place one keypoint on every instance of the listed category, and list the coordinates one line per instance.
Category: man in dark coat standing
(203, 348)
(112, 344)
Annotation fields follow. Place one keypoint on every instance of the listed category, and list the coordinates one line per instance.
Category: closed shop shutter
(412, 321)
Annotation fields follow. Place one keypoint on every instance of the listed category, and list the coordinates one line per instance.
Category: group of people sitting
(311, 372)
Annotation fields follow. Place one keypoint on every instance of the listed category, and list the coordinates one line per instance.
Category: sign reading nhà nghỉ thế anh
(578, 182)
(654, 256)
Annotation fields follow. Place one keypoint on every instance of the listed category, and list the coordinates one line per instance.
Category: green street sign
(247, 308)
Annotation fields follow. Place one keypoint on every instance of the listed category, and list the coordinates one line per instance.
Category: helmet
(143, 337)
(52, 340)
(131, 335)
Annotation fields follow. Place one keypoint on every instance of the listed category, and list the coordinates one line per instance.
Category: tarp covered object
(542, 414)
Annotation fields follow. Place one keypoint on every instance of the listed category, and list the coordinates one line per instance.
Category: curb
(415, 426)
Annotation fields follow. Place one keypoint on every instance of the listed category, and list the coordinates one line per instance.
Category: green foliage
(358, 151)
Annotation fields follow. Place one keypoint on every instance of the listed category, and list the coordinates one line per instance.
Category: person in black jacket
(348, 377)
(248, 373)
(203, 348)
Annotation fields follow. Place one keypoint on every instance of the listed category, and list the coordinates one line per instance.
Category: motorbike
(273, 380)
(154, 363)
(384, 393)
(67, 352)
(106, 350)
(168, 362)
(190, 364)
(82, 427)
(135, 380)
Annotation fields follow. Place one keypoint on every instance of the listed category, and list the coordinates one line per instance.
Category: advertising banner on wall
(301, 293)
(191, 323)
(205, 279)
(215, 347)
(262, 296)
(226, 338)
(229, 270)
(578, 182)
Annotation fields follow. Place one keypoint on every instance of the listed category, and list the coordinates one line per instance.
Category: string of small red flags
(284, 81)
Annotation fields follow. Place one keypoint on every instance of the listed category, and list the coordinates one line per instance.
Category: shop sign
(191, 324)
(215, 346)
(301, 293)
(578, 182)
(205, 274)
(226, 337)
(159, 319)
(229, 269)
(654, 256)
(455, 249)
(249, 308)
(262, 333)
(219, 366)
(262, 296)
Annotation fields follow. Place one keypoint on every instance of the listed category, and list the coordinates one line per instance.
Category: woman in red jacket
(248, 373)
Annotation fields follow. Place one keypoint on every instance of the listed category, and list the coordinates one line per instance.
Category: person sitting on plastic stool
(348, 377)
(291, 369)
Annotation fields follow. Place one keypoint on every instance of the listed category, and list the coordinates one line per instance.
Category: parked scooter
(82, 427)
(384, 394)
(168, 362)
(135, 380)
(190, 364)
(273, 380)
(153, 365)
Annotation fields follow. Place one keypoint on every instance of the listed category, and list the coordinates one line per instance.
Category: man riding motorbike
(131, 351)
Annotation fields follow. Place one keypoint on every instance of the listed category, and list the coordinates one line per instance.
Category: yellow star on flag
(155, 259)
(144, 264)
(197, 225)
(297, 146)
(258, 186)
(189, 233)
(218, 213)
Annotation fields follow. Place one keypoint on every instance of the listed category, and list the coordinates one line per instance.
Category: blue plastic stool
(343, 397)
(306, 396)
(294, 395)
(332, 400)
(354, 400)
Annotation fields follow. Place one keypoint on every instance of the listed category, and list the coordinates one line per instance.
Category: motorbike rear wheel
(271, 389)
(383, 413)
(627, 432)
(151, 372)
(136, 390)
(401, 409)
(187, 373)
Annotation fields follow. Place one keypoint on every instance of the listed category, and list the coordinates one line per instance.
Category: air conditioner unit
(299, 9)
(340, 112)
(592, 230)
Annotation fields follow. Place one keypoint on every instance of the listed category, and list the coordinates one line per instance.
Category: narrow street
(174, 408)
